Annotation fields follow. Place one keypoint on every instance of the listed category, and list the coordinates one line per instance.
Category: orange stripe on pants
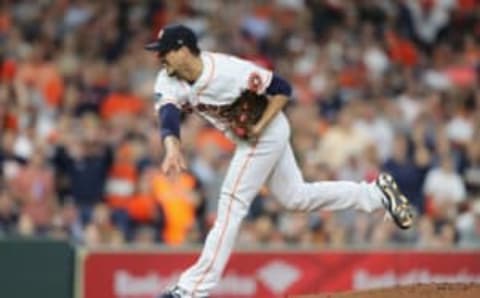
(237, 182)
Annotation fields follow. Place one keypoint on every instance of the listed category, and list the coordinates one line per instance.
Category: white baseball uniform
(270, 161)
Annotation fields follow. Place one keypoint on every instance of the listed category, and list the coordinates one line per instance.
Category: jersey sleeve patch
(255, 82)
(167, 91)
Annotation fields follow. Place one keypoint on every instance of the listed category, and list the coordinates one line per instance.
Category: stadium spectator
(472, 168)
(8, 213)
(408, 169)
(444, 188)
(388, 85)
(85, 165)
(33, 187)
(342, 141)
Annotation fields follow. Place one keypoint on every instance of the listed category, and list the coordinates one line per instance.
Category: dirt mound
(414, 291)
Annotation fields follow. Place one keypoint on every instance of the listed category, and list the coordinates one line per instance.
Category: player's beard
(171, 72)
(176, 74)
(181, 72)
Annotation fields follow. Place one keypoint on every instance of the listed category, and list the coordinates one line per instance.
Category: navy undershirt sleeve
(278, 85)
(169, 116)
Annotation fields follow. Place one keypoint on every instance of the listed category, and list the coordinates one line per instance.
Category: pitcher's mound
(443, 290)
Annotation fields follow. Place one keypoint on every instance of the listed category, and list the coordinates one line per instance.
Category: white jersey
(222, 80)
(269, 160)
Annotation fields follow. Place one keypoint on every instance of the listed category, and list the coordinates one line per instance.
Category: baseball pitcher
(245, 101)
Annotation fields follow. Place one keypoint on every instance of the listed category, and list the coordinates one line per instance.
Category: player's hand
(174, 162)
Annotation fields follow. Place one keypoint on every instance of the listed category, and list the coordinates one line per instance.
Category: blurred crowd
(378, 85)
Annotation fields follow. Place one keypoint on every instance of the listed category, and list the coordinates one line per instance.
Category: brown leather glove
(245, 112)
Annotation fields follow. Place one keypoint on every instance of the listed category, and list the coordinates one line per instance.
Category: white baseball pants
(271, 162)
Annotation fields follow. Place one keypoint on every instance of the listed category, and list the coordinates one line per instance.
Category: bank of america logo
(278, 276)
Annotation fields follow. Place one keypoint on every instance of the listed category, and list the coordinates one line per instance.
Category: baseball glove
(245, 112)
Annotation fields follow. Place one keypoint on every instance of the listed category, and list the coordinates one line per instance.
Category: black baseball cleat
(176, 292)
(169, 295)
(395, 202)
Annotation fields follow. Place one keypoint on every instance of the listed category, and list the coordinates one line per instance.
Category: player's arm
(279, 92)
(169, 118)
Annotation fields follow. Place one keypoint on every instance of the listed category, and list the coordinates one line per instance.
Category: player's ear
(184, 50)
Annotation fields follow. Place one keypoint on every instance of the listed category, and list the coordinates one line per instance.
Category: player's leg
(247, 173)
(287, 185)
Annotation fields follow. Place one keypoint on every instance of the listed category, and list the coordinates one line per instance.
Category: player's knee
(291, 204)
(290, 201)
(298, 205)
(232, 204)
(293, 199)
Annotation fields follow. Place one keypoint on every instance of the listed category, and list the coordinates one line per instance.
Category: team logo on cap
(160, 34)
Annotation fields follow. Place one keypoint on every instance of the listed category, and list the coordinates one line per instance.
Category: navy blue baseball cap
(172, 38)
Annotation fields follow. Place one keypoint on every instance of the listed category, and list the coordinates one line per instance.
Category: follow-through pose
(245, 101)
